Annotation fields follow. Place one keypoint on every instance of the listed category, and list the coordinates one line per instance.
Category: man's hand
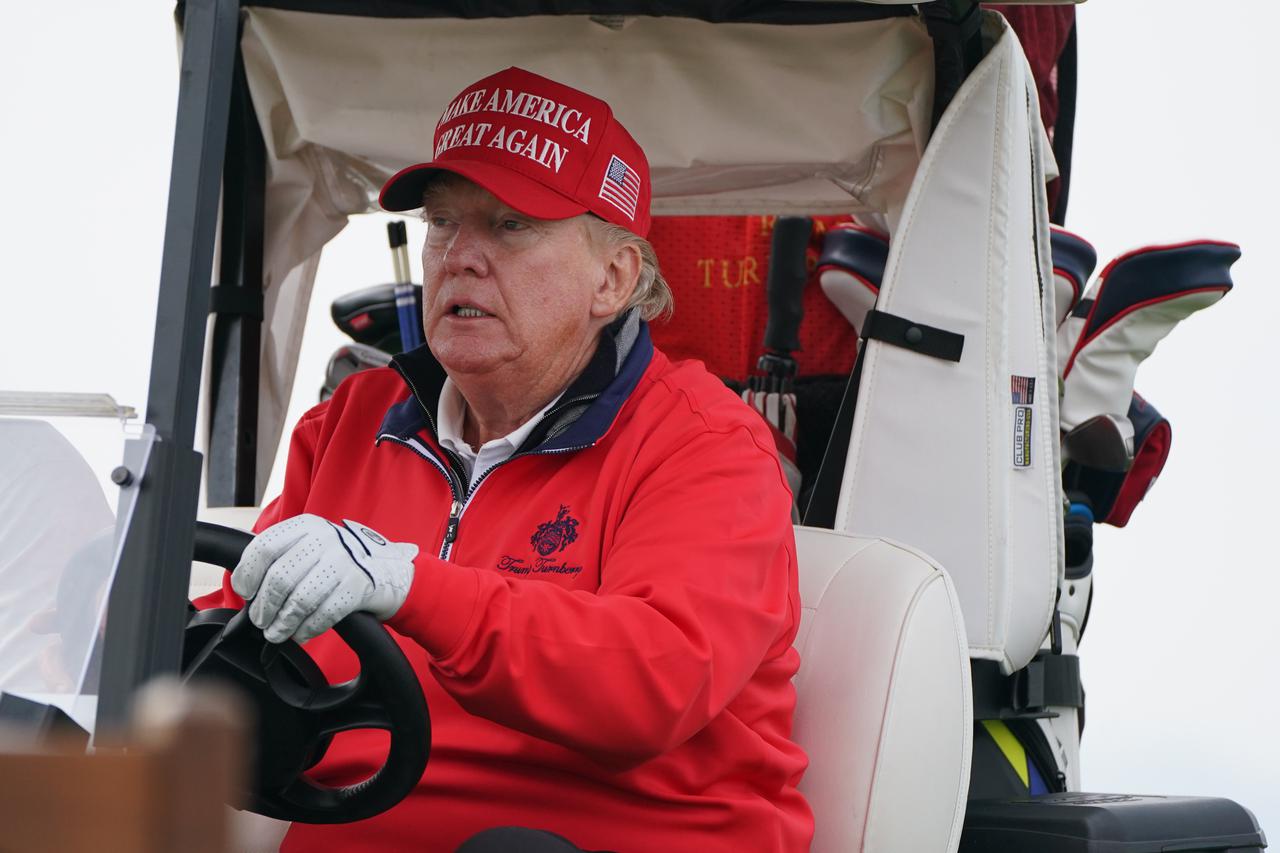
(306, 573)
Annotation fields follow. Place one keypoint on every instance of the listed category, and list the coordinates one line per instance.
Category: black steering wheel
(299, 712)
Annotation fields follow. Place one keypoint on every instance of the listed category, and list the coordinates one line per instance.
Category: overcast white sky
(1175, 139)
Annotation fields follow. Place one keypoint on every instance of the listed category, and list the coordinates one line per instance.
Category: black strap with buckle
(232, 299)
(1049, 681)
(901, 332)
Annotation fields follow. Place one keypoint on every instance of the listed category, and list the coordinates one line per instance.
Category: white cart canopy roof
(733, 117)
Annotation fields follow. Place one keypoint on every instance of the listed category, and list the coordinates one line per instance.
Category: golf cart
(919, 657)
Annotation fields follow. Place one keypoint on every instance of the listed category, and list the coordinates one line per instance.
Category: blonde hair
(652, 294)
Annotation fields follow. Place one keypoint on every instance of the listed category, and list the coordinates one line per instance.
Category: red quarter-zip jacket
(602, 625)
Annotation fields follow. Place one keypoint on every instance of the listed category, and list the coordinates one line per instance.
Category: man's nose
(467, 252)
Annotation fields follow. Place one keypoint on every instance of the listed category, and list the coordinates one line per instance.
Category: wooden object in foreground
(183, 760)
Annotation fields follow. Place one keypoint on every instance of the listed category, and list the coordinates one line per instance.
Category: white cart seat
(883, 705)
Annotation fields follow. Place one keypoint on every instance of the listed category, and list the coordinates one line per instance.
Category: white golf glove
(306, 573)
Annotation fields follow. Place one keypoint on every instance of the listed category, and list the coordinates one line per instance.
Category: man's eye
(438, 221)
(513, 225)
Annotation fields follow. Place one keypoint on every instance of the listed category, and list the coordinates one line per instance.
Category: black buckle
(1048, 681)
(235, 300)
(917, 337)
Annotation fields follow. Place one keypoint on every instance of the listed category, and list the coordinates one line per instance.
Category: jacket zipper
(456, 515)
(456, 510)
(451, 531)
(461, 502)
(455, 491)
(461, 497)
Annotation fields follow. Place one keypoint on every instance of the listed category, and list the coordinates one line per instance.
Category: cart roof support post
(238, 309)
(956, 29)
(1064, 129)
(145, 609)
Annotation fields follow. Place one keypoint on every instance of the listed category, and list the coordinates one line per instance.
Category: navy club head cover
(1113, 495)
(1073, 262)
(1074, 259)
(851, 268)
(1138, 299)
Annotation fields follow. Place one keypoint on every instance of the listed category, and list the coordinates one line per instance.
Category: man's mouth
(469, 311)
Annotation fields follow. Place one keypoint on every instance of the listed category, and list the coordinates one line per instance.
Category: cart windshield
(58, 547)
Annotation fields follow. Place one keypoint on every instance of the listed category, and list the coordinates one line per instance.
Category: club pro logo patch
(1022, 390)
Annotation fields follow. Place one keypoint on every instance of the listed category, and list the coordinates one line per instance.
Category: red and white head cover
(543, 148)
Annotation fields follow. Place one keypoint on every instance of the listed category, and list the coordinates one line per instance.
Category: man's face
(506, 296)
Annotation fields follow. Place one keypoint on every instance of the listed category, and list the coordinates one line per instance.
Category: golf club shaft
(406, 305)
(784, 289)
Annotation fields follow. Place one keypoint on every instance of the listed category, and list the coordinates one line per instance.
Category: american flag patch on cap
(621, 187)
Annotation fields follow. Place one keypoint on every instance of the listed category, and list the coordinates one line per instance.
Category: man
(583, 548)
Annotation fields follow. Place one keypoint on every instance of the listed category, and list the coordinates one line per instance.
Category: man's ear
(621, 272)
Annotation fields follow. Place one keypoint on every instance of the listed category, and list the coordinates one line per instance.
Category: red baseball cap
(544, 148)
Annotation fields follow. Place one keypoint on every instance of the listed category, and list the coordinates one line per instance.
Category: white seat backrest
(883, 706)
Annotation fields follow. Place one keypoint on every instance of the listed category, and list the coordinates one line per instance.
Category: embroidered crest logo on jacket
(552, 536)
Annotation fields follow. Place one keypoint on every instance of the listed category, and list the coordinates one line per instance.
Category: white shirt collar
(450, 414)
